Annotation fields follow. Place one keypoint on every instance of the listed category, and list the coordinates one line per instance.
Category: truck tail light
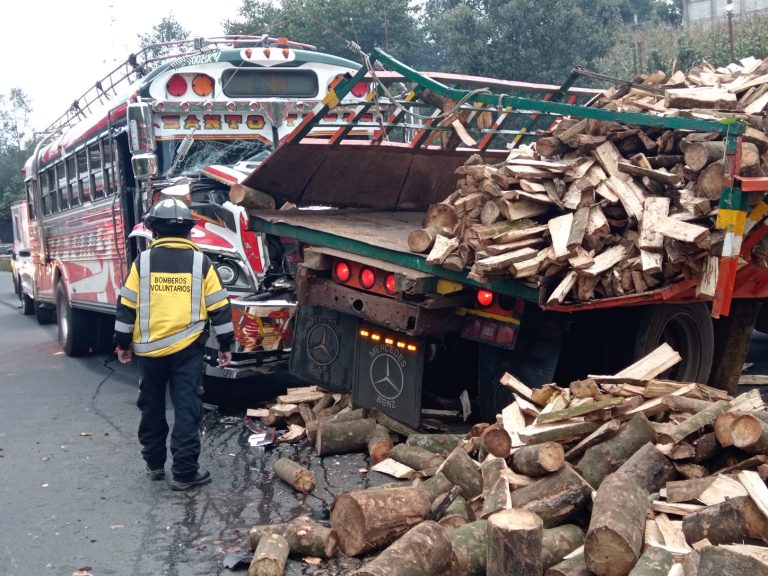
(343, 272)
(484, 298)
(202, 85)
(390, 284)
(367, 278)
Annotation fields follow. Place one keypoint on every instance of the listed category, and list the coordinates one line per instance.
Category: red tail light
(343, 273)
(484, 298)
(389, 284)
(367, 278)
(176, 85)
(360, 89)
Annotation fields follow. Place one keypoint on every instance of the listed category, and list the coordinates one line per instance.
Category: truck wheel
(74, 326)
(688, 329)
(44, 314)
(27, 304)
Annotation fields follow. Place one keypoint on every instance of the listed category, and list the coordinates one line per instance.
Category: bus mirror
(141, 133)
(144, 166)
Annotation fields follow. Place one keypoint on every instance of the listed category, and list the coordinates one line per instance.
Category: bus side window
(83, 178)
(96, 179)
(48, 191)
(61, 186)
(106, 163)
(30, 200)
(72, 184)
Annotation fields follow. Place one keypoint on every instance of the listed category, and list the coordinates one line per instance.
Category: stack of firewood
(613, 475)
(599, 209)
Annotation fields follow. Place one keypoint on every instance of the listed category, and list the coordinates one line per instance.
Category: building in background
(705, 12)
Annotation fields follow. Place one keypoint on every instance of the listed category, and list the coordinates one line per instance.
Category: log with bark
(425, 550)
(367, 520)
(270, 556)
(496, 494)
(338, 437)
(735, 520)
(556, 498)
(539, 459)
(470, 544)
(300, 478)
(559, 542)
(379, 444)
(654, 562)
(514, 543)
(462, 471)
(615, 536)
(415, 457)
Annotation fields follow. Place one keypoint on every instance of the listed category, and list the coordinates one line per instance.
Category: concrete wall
(698, 12)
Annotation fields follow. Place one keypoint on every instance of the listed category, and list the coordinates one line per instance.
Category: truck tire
(75, 326)
(688, 329)
(44, 314)
(27, 304)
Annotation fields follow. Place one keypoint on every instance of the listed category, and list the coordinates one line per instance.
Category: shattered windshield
(207, 152)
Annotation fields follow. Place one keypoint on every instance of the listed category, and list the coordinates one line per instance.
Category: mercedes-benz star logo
(387, 376)
(322, 344)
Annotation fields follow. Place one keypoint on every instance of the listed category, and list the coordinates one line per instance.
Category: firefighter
(172, 293)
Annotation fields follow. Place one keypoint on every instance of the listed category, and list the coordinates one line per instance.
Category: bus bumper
(263, 337)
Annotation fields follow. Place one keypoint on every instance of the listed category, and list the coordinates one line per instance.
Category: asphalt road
(73, 491)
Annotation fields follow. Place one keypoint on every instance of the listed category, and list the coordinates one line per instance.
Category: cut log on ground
(559, 542)
(435, 486)
(575, 566)
(733, 521)
(415, 457)
(461, 470)
(270, 556)
(424, 549)
(556, 498)
(615, 536)
(496, 440)
(437, 443)
(717, 561)
(295, 475)
(514, 544)
(338, 437)
(367, 520)
(379, 444)
(470, 544)
(539, 459)
(649, 468)
(654, 562)
(604, 458)
(456, 515)
(495, 487)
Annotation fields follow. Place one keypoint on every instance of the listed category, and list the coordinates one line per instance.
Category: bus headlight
(227, 272)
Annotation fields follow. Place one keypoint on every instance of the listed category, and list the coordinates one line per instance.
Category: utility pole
(729, 12)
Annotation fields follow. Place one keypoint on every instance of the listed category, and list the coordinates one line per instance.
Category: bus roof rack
(139, 64)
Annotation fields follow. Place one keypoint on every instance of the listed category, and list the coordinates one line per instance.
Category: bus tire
(74, 326)
(103, 330)
(27, 304)
(688, 329)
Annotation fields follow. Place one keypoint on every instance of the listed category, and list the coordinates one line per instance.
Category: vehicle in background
(206, 113)
(21, 269)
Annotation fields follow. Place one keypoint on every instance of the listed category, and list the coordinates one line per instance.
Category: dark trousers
(183, 372)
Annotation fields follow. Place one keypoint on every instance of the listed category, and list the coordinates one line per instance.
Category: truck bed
(382, 235)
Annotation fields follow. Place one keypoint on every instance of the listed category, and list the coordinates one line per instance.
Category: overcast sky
(59, 49)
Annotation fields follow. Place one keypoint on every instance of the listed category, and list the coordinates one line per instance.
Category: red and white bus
(208, 115)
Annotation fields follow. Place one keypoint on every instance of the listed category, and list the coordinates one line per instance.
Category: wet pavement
(73, 491)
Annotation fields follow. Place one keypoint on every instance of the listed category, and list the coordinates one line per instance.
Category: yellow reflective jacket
(172, 291)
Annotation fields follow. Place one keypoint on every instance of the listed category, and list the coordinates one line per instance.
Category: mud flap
(324, 348)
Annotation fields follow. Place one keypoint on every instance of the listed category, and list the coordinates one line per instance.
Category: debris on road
(687, 462)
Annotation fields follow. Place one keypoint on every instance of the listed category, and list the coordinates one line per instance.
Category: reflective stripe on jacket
(172, 291)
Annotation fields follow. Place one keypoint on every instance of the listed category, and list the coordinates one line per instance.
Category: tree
(167, 30)
(530, 40)
(16, 145)
(329, 24)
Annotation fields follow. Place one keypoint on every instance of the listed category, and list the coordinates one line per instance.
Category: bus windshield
(207, 152)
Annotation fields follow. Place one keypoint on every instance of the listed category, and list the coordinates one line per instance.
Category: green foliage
(328, 24)
(16, 145)
(167, 30)
(533, 40)
(663, 47)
